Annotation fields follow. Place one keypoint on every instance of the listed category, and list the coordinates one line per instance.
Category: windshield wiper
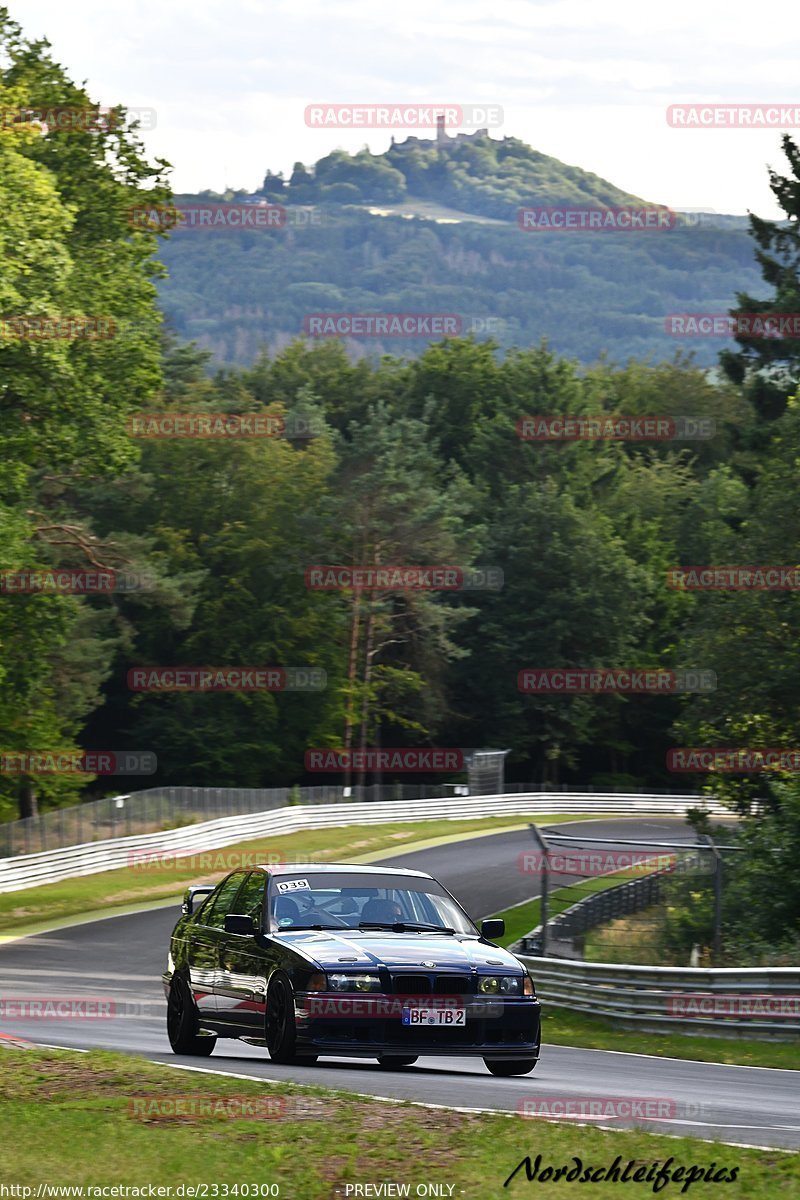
(402, 926)
(294, 928)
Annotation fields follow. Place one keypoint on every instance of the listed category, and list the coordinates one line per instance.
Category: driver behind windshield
(384, 912)
(285, 912)
(300, 911)
(292, 913)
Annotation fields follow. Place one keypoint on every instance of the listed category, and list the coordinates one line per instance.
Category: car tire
(280, 1027)
(183, 1021)
(510, 1066)
(391, 1062)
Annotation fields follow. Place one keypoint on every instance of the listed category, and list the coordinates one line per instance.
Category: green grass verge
(522, 918)
(138, 885)
(104, 1119)
(562, 1027)
(635, 938)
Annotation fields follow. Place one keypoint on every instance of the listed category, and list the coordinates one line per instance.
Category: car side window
(220, 904)
(250, 901)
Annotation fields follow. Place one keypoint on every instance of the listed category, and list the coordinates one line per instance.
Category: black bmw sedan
(354, 961)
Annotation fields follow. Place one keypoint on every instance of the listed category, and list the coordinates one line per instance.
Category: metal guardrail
(159, 808)
(88, 858)
(762, 1002)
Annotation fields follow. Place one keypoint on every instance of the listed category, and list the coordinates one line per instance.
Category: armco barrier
(51, 866)
(659, 999)
(156, 808)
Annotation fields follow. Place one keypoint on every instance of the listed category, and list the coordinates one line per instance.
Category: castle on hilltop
(443, 138)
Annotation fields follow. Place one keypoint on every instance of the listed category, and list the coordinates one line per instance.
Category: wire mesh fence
(627, 902)
(155, 809)
(610, 921)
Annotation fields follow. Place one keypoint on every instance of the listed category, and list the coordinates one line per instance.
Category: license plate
(435, 1016)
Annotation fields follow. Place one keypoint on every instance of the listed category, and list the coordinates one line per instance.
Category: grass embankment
(631, 939)
(145, 882)
(104, 1119)
(563, 1027)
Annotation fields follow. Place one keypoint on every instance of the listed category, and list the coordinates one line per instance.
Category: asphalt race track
(121, 959)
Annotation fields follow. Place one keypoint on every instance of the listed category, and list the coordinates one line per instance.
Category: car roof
(337, 868)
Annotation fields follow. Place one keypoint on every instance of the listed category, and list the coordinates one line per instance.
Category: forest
(380, 461)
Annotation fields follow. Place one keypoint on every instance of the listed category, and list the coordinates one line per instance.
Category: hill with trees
(362, 236)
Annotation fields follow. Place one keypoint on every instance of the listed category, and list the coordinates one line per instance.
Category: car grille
(452, 985)
(425, 985)
(411, 985)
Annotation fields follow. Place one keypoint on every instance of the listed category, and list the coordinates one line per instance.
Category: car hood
(368, 949)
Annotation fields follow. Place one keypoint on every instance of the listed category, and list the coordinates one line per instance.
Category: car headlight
(527, 986)
(354, 983)
(500, 985)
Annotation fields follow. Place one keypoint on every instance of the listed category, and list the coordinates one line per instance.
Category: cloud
(583, 81)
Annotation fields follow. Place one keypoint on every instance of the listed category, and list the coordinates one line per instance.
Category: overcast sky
(586, 81)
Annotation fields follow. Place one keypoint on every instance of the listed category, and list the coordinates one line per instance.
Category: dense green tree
(770, 366)
(401, 506)
(752, 637)
(68, 251)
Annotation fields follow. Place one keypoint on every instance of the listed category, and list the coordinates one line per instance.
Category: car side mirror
(493, 928)
(199, 892)
(238, 923)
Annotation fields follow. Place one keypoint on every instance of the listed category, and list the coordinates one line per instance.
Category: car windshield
(363, 902)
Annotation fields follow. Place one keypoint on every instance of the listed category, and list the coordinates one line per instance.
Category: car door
(206, 942)
(240, 988)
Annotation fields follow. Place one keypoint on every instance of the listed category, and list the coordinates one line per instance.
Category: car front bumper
(367, 1025)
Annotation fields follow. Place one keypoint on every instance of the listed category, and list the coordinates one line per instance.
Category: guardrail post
(717, 947)
(543, 906)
